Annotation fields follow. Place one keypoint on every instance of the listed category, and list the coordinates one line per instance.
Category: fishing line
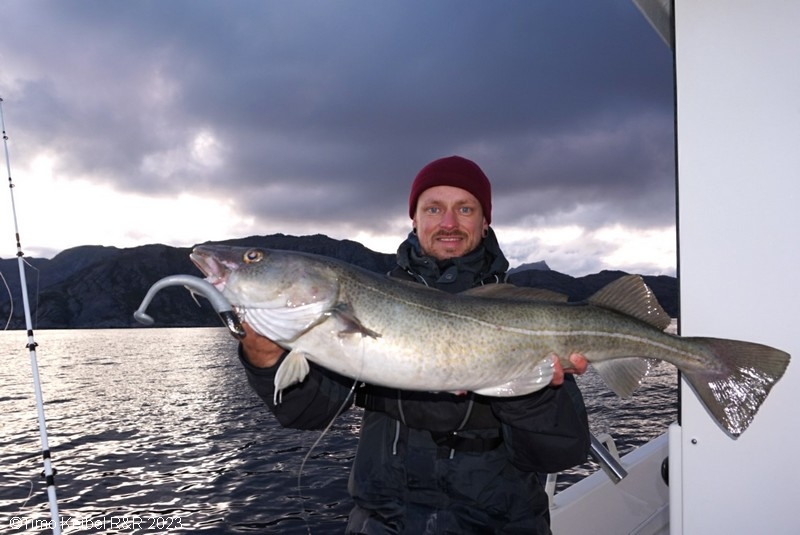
(11, 296)
(49, 473)
(10, 301)
(324, 432)
(313, 447)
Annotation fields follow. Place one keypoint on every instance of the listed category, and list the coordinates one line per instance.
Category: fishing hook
(196, 285)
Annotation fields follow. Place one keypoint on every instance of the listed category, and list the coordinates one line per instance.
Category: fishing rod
(49, 473)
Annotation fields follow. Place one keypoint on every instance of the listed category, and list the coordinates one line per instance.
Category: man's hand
(578, 367)
(260, 351)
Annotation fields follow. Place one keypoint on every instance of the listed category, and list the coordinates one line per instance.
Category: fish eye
(251, 256)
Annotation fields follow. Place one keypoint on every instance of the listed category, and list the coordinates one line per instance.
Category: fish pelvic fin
(631, 296)
(292, 370)
(623, 375)
(734, 393)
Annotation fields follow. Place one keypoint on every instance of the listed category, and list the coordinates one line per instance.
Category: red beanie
(457, 172)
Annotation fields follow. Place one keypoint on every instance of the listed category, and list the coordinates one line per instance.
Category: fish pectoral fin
(536, 379)
(352, 325)
(292, 370)
(624, 375)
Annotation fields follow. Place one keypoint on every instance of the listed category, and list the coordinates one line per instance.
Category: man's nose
(449, 219)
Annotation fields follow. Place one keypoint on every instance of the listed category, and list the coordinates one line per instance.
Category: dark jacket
(440, 462)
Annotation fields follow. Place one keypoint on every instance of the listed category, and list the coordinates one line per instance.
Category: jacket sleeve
(311, 404)
(547, 431)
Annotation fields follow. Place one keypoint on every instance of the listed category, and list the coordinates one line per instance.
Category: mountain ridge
(100, 287)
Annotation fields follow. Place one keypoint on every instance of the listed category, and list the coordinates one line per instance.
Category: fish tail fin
(734, 391)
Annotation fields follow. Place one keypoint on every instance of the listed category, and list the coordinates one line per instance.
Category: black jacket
(440, 462)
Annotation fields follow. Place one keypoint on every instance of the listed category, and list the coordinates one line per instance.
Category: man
(440, 462)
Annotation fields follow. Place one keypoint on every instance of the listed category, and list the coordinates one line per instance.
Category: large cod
(496, 340)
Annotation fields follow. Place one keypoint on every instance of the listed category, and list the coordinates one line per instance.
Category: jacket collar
(486, 264)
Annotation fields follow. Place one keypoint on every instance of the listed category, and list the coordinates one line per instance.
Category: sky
(180, 122)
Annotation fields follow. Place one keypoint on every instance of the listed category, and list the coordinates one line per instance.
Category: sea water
(156, 431)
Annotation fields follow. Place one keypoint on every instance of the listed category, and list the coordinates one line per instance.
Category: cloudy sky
(182, 121)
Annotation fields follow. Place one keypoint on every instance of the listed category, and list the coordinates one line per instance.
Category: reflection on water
(161, 423)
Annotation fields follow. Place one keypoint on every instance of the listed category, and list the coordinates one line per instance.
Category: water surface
(160, 425)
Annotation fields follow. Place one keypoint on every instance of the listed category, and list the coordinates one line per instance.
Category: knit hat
(457, 172)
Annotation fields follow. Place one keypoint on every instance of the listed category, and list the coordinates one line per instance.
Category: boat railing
(604, 452)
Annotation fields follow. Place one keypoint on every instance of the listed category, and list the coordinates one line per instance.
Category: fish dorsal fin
(631, 296)
(509, 291)
(415, 285)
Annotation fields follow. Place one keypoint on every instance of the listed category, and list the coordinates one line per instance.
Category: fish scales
(496, 340)
(447, 337)
(588, 332)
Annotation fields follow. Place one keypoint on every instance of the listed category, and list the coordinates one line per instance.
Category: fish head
(280, 294)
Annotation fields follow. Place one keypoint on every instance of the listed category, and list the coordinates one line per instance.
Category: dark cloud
(323, 111)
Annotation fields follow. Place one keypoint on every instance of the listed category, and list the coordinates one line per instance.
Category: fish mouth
(213, 267)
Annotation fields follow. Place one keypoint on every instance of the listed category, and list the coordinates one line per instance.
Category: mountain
(101, 287)
(578, 289)
(540, 265)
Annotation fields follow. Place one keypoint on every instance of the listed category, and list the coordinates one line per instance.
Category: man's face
(449, 222)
